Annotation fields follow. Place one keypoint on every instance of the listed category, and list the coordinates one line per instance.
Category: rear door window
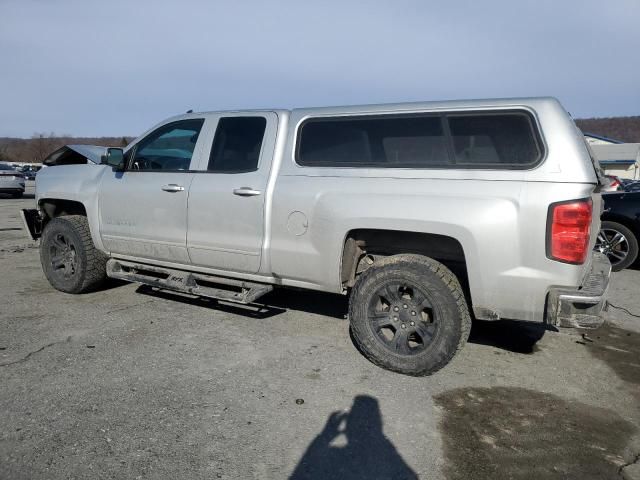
(237, 145)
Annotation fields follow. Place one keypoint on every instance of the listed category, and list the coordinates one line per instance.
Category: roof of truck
(489, 103)
(431, 105)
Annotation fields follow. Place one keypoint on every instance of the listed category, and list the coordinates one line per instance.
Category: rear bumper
(582, 306)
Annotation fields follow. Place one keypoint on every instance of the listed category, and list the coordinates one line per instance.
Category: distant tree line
(626, 129)
(40, 145)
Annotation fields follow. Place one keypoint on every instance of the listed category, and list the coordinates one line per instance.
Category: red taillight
(569, 230)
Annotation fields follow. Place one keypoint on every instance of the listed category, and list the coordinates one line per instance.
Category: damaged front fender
(76, 155)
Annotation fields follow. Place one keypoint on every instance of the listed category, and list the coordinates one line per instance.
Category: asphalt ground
(128, 382)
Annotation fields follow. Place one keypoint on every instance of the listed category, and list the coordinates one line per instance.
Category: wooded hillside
(36, 148)
(626, 129)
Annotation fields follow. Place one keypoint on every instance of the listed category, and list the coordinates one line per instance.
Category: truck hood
(76, 154)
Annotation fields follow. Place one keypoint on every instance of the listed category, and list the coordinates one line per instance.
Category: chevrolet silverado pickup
(425, 214)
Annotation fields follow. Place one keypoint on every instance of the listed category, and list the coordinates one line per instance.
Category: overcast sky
(116, 67)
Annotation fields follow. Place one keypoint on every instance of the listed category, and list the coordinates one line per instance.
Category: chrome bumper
(581, 307)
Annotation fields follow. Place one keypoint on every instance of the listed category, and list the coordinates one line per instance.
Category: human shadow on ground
(353, 446)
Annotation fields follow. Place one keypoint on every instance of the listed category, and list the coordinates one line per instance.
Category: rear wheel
(69, 259)
(618, 243)
(408, 314)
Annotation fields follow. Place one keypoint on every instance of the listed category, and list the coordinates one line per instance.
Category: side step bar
(199, 284)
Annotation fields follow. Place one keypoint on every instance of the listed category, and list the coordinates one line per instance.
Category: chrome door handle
(246, 192)
(172, 187)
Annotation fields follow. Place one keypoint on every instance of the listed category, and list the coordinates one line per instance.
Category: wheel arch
(57, 207)
(52, 207)
(363, 246)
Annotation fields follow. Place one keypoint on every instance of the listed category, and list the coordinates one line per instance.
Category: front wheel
(618, 243)
(408, 314)
(70, 261)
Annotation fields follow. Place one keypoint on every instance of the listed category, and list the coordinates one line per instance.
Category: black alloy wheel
(403, 317)
(63, 256)
(408, 314)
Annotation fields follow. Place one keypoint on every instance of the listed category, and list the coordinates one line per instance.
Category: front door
(227, 197)
(143, 210)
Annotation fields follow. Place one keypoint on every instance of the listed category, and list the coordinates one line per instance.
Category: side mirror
(114, 158)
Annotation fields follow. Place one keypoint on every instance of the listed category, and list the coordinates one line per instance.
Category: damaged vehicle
(424, 214)
(76, 155)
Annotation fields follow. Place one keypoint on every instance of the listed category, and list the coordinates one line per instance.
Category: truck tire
(408, 314)
(618, 243)
(70, 261)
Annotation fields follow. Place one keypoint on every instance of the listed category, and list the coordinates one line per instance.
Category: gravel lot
(132, 383)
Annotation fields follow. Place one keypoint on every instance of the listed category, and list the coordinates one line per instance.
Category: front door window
(169, 148)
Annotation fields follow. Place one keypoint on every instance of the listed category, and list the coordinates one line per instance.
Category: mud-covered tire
(417, 281)
(67, 241)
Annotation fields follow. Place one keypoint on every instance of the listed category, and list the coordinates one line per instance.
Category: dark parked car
(30, 172)
(630, 186)
(620, 229)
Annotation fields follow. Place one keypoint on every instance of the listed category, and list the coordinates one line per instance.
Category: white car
(11, 181)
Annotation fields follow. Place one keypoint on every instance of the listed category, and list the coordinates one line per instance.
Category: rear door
(143, 210)
(227, 196)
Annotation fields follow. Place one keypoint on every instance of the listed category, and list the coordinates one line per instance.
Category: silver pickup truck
(425, 214)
